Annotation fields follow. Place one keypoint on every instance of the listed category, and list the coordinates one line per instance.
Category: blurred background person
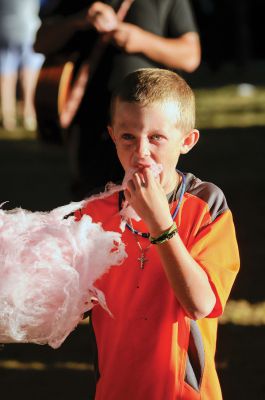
(19, 22)
(153, 34)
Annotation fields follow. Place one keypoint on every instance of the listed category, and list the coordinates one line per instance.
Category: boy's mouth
(140, 165)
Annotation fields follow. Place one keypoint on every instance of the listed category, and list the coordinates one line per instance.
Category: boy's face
(141, 133)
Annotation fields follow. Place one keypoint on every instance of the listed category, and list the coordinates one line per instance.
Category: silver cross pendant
(142, 260)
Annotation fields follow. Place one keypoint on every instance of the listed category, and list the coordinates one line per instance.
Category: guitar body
(62, 84)
(52, 90)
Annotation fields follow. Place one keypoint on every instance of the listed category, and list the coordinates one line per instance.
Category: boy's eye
(127, 136)
(156, 137)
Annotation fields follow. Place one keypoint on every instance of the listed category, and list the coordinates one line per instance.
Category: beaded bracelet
(168, 234)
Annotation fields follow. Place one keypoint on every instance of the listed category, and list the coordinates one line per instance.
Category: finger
(131, 186)
(156, 177)
(139, 180)
(148, 175)
(110, 24)
(127, 195)
(103, 24)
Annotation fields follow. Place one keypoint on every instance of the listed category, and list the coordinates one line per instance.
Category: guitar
(61, 86)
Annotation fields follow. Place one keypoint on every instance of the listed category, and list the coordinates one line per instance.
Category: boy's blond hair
(153, 85)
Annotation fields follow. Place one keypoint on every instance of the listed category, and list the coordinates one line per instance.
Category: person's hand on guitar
(128, 37)
(102, 17)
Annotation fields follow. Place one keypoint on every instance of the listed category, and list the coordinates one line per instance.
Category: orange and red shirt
(149, 348)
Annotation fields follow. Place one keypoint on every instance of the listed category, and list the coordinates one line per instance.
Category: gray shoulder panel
(209, 193)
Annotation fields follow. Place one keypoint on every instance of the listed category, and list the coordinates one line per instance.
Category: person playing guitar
(74, 38)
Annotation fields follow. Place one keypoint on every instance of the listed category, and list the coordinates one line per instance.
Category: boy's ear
(111, 133)
(189, 141)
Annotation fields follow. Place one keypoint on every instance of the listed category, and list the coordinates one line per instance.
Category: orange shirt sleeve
(215, 249)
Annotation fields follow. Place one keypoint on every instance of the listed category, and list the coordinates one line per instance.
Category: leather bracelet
(168, 234)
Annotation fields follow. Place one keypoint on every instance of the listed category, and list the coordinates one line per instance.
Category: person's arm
(183, 52)
(186, 277)
(188, 280)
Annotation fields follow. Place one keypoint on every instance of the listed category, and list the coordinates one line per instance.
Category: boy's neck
(172, 185)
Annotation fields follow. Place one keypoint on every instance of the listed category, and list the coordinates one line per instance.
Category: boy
(182, 255)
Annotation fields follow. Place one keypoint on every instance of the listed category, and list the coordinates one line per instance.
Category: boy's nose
(142, 149)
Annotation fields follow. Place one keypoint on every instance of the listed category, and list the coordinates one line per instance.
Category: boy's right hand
(147, 197)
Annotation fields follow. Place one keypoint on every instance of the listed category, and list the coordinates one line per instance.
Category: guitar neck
(103, 41)
(124, 8)
(87, 70)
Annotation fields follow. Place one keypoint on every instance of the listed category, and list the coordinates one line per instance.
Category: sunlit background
(231, 117)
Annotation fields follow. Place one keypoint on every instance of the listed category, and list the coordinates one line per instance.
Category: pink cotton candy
(48, 266)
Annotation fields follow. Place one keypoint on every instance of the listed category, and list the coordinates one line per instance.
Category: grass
(18, 134)
(243, 313)
(230, 106)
